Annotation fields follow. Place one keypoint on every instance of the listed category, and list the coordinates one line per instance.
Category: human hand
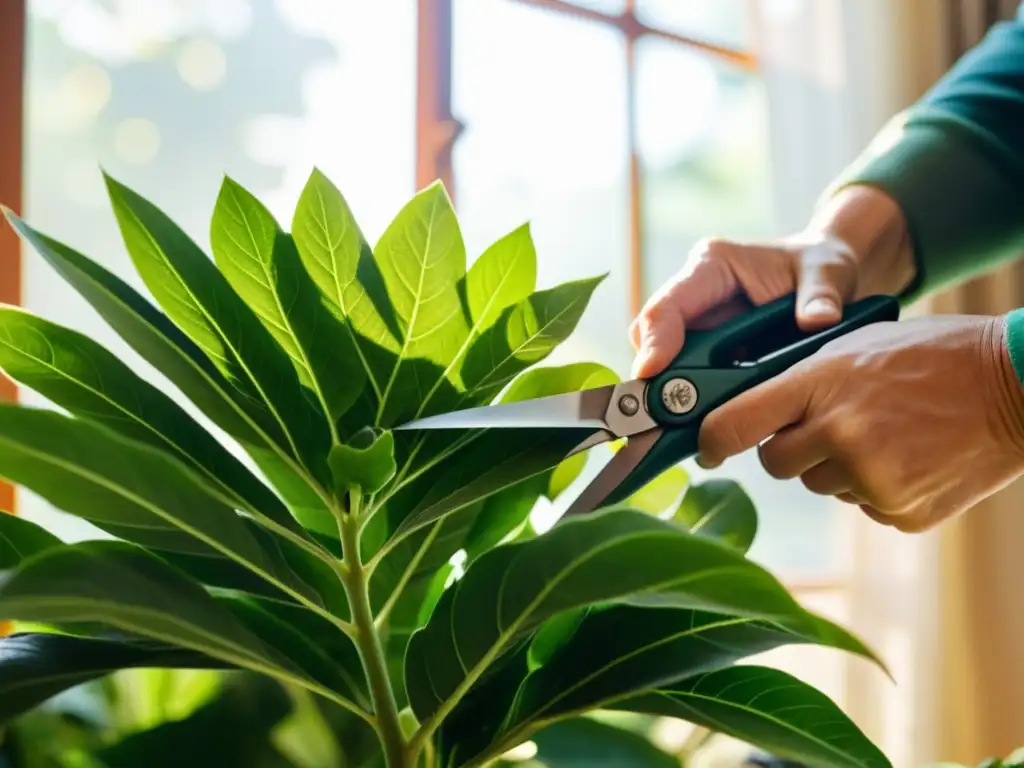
(857, 245)
(914, 422)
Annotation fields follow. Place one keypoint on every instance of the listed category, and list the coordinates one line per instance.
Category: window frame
(12, 94)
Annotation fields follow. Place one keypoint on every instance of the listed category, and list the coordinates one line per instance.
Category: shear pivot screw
(629, 405)
(679, 396)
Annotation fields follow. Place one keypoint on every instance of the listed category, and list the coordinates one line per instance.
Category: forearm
(954, 166)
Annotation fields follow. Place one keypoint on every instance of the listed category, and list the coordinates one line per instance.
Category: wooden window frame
(12, 97)
(437, 129)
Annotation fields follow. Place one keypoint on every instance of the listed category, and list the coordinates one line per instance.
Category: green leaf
(624, 649)
(234, 730)
(129, 489)
(719, 509)
(150, 333)
(587, 743)
(543, 381)
(36, 666)
(305, 504)
(767, 708)
(81, 376)
(487, 461)
(187, 284)
(367, 462)
(261, 263)
(614, 555)
(525, 334)
(124, 587)
(422, 259)
(332, 248)
(661, 493)
(504, 274)
(323, 653)
(501, 514)
(20, 540)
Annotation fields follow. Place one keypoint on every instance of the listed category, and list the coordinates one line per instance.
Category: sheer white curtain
(836, 71)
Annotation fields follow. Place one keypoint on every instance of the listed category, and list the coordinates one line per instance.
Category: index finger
(753, 416)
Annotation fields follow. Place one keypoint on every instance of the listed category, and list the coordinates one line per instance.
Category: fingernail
(705, 463)
(820, 306)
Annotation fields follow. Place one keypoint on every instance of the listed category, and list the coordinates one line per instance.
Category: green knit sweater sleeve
(954, 161)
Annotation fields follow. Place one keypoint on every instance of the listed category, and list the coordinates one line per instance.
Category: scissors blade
(614, 472)
(574, 409)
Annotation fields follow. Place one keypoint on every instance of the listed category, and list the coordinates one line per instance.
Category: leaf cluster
(260, 515)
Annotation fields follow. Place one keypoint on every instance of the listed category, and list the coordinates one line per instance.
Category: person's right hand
(856, 246)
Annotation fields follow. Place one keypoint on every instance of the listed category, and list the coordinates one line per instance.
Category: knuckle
(773, 460)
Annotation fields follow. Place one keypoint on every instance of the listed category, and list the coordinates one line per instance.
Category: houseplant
(322, 552)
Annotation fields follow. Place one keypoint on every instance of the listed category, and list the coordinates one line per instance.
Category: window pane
(169, 97)
(703, 142)
(723, 22)
(543, 98)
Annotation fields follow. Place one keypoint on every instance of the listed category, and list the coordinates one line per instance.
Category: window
(624, 130)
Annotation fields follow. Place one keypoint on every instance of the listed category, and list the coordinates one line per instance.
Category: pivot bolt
(629, 405)
(679, 396)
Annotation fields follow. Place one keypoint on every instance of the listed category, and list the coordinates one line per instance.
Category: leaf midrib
(664, 640)
(411, 326)
(340, 294)
(257, 663)
(220, 333)
(285, 319)
(675, 696)
(234, 497)
(133, 498)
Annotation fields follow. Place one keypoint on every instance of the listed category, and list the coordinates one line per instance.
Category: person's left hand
(913, 421)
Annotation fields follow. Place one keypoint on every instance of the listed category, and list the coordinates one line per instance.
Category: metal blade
(614, 472)
(574, 409)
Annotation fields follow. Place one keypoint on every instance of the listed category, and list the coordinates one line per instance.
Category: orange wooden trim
(634, 28)
(12, 97)
(436, 128)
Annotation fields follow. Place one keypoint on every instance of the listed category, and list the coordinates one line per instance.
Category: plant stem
(368, 641)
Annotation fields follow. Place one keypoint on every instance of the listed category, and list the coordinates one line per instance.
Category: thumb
(826, 280)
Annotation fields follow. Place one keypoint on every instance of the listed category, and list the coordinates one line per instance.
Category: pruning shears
(660, 417)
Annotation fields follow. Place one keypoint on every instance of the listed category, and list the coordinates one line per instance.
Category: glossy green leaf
(314, 645)
(81, 376)
(36, 666)
(122, 586)
(150, 333)
(525, 334)
(366, 462)
(487, 461)
(332, 248)
(161, 343)
(615, 555)
(719, 509)
(262, 264)
(21, 539)
(199, 299)
(770, 709)
(626, 649)
(504, 274)
(130, 489)
(543, 381)
(422, 259)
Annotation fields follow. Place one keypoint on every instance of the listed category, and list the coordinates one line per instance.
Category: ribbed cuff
(959, 200)
(1015, 341)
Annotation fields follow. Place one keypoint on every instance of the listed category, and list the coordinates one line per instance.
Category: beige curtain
(982, 610)
(947, 607)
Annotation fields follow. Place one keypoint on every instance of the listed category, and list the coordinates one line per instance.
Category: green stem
(368, 641)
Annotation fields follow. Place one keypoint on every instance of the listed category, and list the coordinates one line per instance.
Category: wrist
(873, 229)
(1007, 391)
